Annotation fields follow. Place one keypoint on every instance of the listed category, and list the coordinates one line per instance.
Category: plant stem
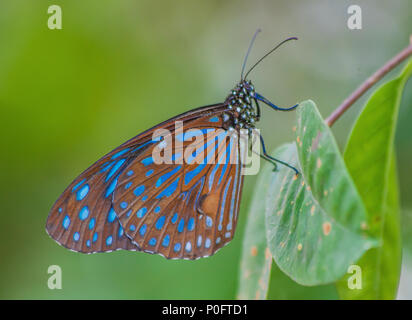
(401, 56)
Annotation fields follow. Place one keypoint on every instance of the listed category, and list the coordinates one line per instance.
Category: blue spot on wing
(92, 223)
(143, 230)
(207, 243)
(160, 222)
(191, 174)
(111, 187)
(167, 192)
(114, 169)
(112, 215)
(177, 247)
(181, 225)
(166, 241)
(139, 190)
(148, 142)
(84, 213)
(209, 221)
(141, 212)
(214, 119)
(118, 154)
(191, 224)
(83, 191)
(147, 161)
(166, 176)
(78, 185)
(106, 166)
(66, 222)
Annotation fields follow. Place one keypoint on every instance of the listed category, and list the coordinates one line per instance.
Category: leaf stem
(348, 102)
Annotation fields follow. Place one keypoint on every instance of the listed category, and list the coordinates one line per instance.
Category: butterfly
(181, 209)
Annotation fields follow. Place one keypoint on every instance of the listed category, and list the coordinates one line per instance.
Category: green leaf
(370, 158)
(284, 288)
(315, 222)
(256, 260)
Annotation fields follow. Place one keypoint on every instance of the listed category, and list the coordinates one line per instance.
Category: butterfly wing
(101, 211)
(186, 210)
(82, 218)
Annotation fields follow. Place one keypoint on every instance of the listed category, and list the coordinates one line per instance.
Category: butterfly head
(241, 102)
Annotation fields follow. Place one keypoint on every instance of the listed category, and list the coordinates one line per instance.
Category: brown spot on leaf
(298, 139)
(315, 142)
(300, 247)
(364, 226)
(326, 228)
(318, 163)
(312, 210)
(254, 251)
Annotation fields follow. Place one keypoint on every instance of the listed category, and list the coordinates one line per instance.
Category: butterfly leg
(270, 104)
(272, 159)
(275, 165)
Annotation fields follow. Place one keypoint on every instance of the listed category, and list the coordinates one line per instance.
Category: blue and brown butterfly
(186, 209)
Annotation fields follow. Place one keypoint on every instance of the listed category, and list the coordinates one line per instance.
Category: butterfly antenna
(248, 51)
(286, 40)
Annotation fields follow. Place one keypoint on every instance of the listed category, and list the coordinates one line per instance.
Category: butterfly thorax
(242, 104)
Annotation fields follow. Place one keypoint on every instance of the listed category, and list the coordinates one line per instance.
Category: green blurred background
(119, 67)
